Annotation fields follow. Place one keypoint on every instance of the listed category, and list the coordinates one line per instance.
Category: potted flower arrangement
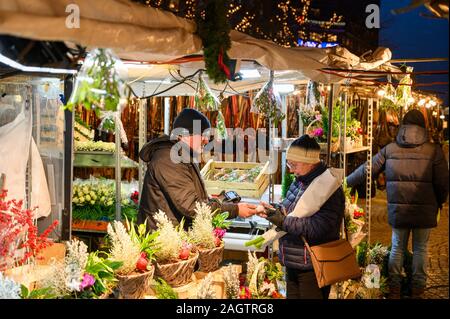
(135, 249)
(78, 275)
(20, 242)
(263, 278)
(207, 235)
(176, 257)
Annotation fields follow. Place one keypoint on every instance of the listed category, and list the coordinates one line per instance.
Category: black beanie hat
(414, 117)
(186, 120)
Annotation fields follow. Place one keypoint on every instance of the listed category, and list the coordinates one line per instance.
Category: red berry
(144, 254)
(184, 254)
(217, 241)
(142, 264)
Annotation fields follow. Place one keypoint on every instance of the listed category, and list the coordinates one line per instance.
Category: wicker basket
(179, 273)
(210, 259)
(135, 286)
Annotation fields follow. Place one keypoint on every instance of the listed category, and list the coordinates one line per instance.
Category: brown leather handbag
(333, 262)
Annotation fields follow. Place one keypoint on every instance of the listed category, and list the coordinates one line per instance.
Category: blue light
(314, 44)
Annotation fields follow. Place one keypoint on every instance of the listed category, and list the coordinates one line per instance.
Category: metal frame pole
(369, 166)
(66, 216)
(330, 124)
(118, 171)
(142, 140)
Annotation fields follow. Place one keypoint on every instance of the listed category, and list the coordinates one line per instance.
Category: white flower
(9, 289)
(73, 285)
(371, 276)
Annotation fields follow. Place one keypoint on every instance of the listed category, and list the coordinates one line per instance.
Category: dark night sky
(411, 36)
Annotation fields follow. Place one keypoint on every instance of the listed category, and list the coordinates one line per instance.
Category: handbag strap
(306, 243)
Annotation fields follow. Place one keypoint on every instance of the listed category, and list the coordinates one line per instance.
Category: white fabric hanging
(15, 139)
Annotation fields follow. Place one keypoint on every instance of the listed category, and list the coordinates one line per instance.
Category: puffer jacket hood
(411, 136)
(149, 149)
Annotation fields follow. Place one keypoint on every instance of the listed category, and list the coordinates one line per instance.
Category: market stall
(162, 59)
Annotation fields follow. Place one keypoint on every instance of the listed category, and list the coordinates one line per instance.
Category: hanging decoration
(108, 124)
(213, 29)
(98, 86)
(268, 103)
(388, 101)
(403, 93)
(206, 101)
(312, 95)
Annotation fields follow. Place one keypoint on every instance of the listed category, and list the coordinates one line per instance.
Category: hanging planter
(98, 85)
(268, 103)
(206, 101)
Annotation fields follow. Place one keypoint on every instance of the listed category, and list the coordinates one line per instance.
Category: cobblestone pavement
(437, 283)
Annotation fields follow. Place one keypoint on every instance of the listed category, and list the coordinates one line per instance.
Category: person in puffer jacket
(322, 227)
(417, 186)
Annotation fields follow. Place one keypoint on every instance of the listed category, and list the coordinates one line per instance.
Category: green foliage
(286, 183)
(146, 240)
(163, 290)
(337, 120)
(220, 220)
(257, 242)
(42, 293)
(361, 253)
(102, 269)
(98, 88)
(101, 212)
(214, 30)
(273, 271)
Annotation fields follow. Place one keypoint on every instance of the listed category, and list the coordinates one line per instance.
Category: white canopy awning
(140, 33)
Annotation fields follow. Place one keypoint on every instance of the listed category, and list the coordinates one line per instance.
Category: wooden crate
(244, 189)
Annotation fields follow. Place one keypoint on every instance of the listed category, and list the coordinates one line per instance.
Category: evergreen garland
(214, 30)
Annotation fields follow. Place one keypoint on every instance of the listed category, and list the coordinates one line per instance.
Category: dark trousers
(303, 285)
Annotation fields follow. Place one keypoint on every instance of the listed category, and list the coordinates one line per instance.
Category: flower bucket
(135, 286)
(179, 273)
(210, 259)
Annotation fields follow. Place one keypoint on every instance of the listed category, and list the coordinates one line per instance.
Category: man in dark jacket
(417, 186)
(322, 227)
(173, 182)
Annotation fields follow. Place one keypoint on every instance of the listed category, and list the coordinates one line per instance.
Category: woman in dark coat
(417, 186)
(322, 227)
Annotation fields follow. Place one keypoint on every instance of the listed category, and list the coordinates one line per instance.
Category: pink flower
(319, 117)
(88, 281)
(219, 232)
(318, 132)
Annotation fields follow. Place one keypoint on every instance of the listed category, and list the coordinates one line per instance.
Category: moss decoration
(214, 31)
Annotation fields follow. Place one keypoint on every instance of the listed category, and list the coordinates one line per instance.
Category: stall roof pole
(330, 124)
(66, 218)
(118, 173)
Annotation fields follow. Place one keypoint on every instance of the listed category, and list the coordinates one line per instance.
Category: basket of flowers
(263, 280)
(79, 275)
(176, 258)
(136, 250)
(207, 234)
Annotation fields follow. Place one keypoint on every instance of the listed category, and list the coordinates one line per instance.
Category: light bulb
(433, 103)
(428, 105)
(381, 92)
(442, 117)
(421, 102)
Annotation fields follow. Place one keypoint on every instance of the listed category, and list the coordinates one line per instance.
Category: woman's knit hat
(305, 149)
